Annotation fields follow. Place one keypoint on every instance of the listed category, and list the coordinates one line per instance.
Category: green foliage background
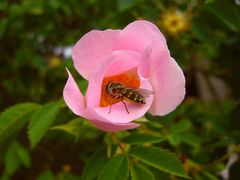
(41, 139)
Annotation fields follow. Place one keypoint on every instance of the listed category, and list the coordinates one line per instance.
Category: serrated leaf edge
(163, 169)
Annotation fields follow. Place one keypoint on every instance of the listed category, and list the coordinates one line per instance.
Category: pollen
(129, 79)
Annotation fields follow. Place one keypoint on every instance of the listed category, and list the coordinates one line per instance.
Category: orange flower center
(129, 79)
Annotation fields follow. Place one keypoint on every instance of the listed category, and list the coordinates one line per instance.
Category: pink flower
(137, 57)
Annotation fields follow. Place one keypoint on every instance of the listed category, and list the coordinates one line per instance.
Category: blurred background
(203, 36)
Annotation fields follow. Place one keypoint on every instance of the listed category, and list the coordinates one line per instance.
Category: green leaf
(4, 148)
(201, 29)
(160, 159)
(141, 139)
(163, 119)
(3, 5)
(83, 84)
(46, 175)
(209, 176)
(14, 118)
(191, 139)
(181, 126)
(78, 127)
(23, 155)
(95, 165)
(125, 4)
(175, 139)
(116, 169)
(16, 156)
(41, 121)
(226, 12)
(3, 26)
(159, 174)
(73, 127)
(140, 173)
(12, 162)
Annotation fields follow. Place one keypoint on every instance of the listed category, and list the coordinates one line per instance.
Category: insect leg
(125, 105)
(110, 109)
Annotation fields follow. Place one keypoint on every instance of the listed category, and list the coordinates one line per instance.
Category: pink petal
(167, 80)
(105, 125)
(138, 35)
(73, 96)
(124, 61)
(117, 63)
(119, 114)
(114, 127)
(92, 49)
(144, 67)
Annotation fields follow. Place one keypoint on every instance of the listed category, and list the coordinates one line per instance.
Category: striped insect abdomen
(133, 96)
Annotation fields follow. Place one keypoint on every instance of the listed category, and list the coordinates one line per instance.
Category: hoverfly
(118, 90)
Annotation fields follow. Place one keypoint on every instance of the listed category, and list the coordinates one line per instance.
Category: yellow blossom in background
(54, 62)
(175, 21)
(66, 168)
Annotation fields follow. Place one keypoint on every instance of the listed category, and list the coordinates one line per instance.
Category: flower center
(129, 79)
(175, 22)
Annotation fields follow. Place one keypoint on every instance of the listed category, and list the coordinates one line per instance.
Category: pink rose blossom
(136, 56)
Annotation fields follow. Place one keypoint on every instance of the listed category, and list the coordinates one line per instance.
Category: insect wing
(145, 92)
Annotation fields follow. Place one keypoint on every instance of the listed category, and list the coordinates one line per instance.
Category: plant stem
(118, 142)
